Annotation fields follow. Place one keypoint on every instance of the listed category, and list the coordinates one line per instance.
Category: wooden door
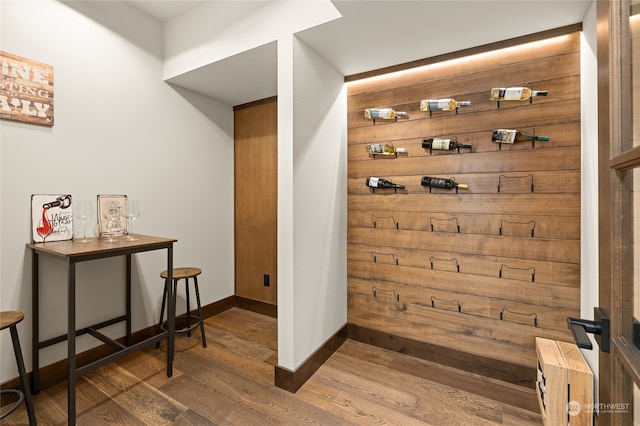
(619, 202)
(256, 167)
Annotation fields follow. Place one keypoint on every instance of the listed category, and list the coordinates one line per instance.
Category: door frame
(620, 368)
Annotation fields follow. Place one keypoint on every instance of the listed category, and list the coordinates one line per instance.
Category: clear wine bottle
(515, 93)
(444, 104)
(383, 149)
(383, 114)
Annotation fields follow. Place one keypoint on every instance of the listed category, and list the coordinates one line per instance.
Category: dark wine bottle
(376, 182)
(444, 144)
(514, 136)
(442, 183)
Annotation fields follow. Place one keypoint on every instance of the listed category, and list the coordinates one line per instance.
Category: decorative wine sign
(51, 218)
(26, 90)
(112, 211)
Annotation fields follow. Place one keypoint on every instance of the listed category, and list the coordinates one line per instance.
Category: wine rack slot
(394, 155)
(394, 299)
(531, 224)
(505, 268)
(375, 292)
(375, 255)
(452, 261)
(374, 220)
(518, 316)
(512, 178)
(445, 301)
(453, 220)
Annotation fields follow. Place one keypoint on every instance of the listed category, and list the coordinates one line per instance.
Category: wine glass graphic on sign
(133, 212)
(45, 228)
(84, 212)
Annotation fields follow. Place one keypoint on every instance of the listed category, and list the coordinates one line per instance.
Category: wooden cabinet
(255, 205)
(564, 385)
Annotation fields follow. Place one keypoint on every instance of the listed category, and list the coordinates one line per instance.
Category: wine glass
(133, 212)
(84, 211)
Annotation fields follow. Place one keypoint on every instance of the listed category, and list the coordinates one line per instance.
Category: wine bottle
(442, 183)
(383, 113)
(513, 136)
(383, 149)
(514, 93)
(444, 144)
(376, 182)
(445, 104)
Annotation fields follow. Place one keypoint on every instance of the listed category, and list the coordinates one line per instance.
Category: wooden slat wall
(444, 267)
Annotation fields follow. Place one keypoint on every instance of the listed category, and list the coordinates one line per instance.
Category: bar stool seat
(9, 319)
(198, 321)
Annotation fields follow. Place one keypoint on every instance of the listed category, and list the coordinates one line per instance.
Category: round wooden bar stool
(198, 321)
(9, 319)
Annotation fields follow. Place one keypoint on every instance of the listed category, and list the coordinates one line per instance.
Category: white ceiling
(165, 10)
(374, 34)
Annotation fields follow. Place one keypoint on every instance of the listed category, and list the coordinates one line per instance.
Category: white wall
(311, 155)
(320, 201)
(312, 202)
(286, 250)
(119, 129)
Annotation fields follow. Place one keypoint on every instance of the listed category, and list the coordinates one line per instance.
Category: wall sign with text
(26, 90)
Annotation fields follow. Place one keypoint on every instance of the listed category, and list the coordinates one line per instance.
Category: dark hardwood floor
(231, 383)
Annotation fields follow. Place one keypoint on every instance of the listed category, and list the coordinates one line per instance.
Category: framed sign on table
(51, 217)
(112, 214)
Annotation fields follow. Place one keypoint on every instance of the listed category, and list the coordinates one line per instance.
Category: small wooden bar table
(73, 252)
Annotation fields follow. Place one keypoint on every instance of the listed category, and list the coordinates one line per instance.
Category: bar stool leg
(23, 375)
(195, 284)
(186, 288)
(175, 297)
(164, 300)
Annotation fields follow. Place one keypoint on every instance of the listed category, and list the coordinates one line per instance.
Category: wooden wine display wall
(479, 271)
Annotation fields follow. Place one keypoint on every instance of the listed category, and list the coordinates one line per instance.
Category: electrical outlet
(267, 280)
